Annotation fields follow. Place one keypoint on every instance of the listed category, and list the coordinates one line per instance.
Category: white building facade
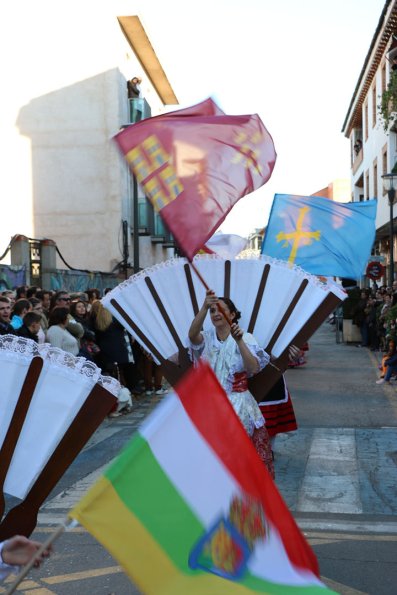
(64, 98)
(374, 151)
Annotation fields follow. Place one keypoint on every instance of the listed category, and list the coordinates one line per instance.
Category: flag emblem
(298, 235)
(247, 151)
(226, 548)
(153, 169)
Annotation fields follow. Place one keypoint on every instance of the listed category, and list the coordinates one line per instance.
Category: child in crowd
(31, 326)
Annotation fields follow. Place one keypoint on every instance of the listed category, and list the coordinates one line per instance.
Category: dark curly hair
(232, 307)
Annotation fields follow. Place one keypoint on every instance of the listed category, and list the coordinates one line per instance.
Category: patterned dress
(225, 359)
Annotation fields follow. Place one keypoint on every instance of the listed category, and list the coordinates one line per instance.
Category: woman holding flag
(234, 356)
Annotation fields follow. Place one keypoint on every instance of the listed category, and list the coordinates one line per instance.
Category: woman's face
(80, 309)
(217, 317)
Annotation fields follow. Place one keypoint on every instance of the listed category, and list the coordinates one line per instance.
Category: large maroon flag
(194, 164)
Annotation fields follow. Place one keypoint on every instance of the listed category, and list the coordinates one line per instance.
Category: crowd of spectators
(376, 316)
(78, 324)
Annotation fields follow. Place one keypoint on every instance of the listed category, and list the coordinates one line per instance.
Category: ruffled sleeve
(195, 351)
(258, 352)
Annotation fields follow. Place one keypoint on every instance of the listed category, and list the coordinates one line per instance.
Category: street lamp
(390, 181)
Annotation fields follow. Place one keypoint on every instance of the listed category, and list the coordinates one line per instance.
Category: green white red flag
(188, 506)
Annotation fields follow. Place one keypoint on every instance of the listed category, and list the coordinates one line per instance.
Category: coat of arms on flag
(226, 548)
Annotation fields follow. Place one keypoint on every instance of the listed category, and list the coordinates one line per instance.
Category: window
(374, 104)
(384, 163)
(375, 184)
(366, 189)
(366, 119)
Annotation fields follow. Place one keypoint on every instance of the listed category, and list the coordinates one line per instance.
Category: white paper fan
(45, 392)
(280, 304)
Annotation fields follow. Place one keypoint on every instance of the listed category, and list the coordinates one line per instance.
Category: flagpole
(203, 281)
(69, 524)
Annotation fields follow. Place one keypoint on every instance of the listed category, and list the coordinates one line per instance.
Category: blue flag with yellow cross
(322, 236)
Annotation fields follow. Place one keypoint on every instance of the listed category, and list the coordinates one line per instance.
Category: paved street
(337, 473)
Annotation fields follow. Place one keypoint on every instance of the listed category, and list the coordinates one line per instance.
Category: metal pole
(125, 249)
(138, 118)
(391, 200)
(136, 223)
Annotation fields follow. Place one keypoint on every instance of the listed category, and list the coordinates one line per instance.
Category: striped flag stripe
(167, 438)
(145, 489)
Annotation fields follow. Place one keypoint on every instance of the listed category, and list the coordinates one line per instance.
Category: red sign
(375, 270)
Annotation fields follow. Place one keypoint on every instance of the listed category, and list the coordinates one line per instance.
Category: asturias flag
(322, 236)
(189, 508)
(195, 164)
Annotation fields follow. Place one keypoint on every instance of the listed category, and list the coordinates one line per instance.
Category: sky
(295, 63)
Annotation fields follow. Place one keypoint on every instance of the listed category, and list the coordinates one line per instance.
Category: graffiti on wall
(12, 276)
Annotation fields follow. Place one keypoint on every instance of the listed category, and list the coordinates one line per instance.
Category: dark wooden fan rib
(317, 318)
(136, 330)
(17, 421)
(259, 297)
(192, 293)
(287, 315)
(173, 372)
(164, 313)
(22, 518)
(226, 288)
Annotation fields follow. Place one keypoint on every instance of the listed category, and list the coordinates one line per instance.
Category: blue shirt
(16, 322)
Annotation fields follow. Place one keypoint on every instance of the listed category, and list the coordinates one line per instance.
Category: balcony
(139, 109)
(357, 161)
(159, 232)
(144, 208)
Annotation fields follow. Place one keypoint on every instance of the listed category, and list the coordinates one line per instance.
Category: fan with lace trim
(281, 304)
(51, 404)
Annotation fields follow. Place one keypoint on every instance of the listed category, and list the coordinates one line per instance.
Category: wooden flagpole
(203, 281)
(69, 524)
